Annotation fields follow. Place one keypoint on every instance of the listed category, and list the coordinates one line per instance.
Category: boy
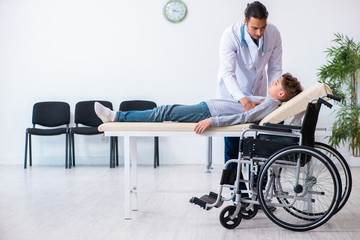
(215, 112)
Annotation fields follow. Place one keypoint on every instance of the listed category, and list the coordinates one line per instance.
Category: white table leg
(127, 189)
(133, 173)
(209, 155)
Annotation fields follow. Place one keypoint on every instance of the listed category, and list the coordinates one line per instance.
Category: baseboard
(354, 161)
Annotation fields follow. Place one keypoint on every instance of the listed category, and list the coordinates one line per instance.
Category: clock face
(175, 11)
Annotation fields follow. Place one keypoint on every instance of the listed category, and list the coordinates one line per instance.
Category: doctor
(246, 49)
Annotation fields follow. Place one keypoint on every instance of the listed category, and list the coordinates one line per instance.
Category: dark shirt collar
(256, 41)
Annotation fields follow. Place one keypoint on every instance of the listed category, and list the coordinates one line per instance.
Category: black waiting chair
(50, 115)
(141, 105)
(86, 123)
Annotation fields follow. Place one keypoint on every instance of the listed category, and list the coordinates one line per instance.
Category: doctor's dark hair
(256, 10)
(291, 86)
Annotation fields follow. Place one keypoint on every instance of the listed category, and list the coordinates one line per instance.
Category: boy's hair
(256, 10)
(291, 86)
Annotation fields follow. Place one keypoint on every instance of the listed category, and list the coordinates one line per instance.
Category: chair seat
(46, 132)
(85, 130)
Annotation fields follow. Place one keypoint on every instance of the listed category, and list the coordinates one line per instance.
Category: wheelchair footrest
(206, 199)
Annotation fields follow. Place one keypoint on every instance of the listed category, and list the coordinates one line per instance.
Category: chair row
(55, 117)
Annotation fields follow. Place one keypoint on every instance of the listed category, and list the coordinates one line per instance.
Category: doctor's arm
(227, 70)
(228, 54)
(247, 104)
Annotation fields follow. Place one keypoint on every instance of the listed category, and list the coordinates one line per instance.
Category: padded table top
(166, 127)
(288, 109)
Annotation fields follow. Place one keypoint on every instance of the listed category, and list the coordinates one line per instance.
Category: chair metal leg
(66, 149)
(26, 147)
(73, 148)
(117, 150)
(30, 151)
(70, 151)
(156, 151)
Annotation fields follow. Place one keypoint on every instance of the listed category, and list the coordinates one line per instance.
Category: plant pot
(354, 161)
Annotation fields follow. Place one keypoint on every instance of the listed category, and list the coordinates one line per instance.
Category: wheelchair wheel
(343, 169)
(303, 184)
(225, 217)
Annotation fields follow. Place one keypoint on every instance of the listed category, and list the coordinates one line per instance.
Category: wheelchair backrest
(264, 145)
(309, 123)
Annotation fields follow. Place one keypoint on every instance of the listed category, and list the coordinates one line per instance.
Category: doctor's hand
(202, 126)
(247, 104)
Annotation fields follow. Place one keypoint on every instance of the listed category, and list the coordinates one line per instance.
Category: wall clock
(175, 11)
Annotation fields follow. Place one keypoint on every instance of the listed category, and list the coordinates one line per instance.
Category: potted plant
(341, 74)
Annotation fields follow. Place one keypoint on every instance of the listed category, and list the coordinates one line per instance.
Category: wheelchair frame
(306, 181)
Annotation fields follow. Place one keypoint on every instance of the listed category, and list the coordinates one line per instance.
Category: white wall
(117, 50)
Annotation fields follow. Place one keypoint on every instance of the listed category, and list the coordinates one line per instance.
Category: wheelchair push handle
(333, 97)
(326, 103)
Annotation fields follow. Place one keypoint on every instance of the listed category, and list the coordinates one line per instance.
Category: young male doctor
(246, 49)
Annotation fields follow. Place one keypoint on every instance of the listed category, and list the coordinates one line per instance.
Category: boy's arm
(202, 126)
(253, 115)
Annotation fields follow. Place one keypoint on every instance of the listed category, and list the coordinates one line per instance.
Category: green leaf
(341, 73)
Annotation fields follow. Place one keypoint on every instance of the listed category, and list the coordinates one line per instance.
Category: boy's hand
(247, 104)
(202, 126)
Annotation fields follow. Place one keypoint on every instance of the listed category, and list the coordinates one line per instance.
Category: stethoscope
(243, 40)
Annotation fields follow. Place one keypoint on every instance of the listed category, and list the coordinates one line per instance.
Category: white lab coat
(241, 74)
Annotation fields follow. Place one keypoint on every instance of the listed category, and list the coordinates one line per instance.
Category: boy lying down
(215, 112)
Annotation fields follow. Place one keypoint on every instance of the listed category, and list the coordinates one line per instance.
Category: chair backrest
(51, 114)
(137, 105)
(85, 113)
(309, 123)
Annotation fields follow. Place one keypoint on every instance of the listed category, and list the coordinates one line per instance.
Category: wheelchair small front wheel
(225, 217)
(248, 214)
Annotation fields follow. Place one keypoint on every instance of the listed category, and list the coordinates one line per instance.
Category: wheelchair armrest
(266, 128)
(282, 126)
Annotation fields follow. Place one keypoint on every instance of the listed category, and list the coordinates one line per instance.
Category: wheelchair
(298, 183)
